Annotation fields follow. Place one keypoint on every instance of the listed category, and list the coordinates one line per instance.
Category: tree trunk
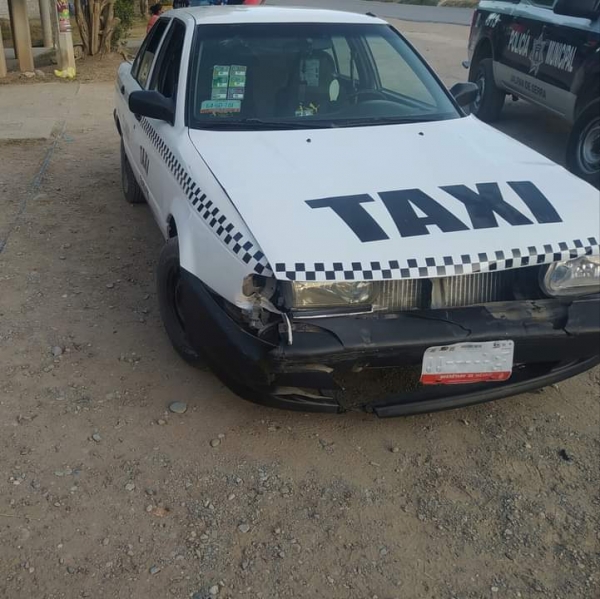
(144, 8)
(95, 26)
(81, 16)
(96, 22)
(109, 24)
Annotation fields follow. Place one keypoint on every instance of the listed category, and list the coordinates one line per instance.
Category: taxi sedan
(338, 234)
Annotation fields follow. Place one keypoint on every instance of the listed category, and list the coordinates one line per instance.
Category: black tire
(583, 148)
(490, 100)
(131, 189)
(168, 282)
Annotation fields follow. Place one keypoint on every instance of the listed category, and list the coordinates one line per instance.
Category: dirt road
(105, 493)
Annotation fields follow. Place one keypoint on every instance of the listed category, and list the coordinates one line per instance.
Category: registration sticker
(462, 363)
(220, 76)
(220, 106)
(237, 76)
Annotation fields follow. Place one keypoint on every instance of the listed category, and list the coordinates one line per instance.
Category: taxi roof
(219, 15)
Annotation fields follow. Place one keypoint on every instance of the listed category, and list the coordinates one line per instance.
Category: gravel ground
(109, 490)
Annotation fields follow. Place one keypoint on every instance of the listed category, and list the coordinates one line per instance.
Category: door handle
(123, 89)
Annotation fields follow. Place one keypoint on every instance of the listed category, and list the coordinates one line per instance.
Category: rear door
(134, 79)
(544, 47)
(566, 42)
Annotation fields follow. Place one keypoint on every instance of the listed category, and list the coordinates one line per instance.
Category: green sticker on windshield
(218, 93)
(237, 76)
(220, 78)
(220, 106)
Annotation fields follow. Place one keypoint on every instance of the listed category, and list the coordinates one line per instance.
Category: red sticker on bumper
(455, 378)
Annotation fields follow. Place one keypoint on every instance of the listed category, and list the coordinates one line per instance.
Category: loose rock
(96, 437)
(130, 487)
(214, 590)
(178, 407)
(215, 442)
(244, 528)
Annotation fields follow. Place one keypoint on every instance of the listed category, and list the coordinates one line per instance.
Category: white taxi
(339, 235)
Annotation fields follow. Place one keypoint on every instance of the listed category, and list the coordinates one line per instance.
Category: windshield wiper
(259, 124)
(387, 120)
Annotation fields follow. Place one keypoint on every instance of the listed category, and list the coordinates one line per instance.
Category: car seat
(308, 90)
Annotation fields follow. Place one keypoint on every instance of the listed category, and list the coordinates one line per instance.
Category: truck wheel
(169, 287)
(131, 189)
(490, 100)
(583, 148)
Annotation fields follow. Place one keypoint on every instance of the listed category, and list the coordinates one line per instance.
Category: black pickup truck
(546, 52)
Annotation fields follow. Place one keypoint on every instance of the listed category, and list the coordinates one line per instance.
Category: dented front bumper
(553, 341)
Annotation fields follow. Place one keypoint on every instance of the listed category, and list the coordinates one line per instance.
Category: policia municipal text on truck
(546, 52)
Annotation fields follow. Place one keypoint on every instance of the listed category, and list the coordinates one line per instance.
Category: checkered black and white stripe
(242, 247)
(431, 267)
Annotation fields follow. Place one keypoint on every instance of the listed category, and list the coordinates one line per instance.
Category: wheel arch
(171, 227)
(589, 91)
(484, 49)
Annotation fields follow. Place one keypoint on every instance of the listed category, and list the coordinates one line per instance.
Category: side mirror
(464, 93)
(153, 105)
(586, 9)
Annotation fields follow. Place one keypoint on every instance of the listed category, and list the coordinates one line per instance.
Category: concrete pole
(66, 51)
(12, 27)
(46, 23)
(65, 55)
(2, 58)
(22, 36)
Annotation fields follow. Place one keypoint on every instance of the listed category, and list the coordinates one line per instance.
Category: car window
(396, 75)
(166, 75)
(145, 57)
(299, 74)
(343, 56)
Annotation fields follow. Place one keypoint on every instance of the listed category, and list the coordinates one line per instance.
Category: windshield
(296, 75)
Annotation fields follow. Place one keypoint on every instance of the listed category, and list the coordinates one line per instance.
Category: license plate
(491, 361)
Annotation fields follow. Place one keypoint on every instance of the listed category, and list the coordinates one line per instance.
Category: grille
(459, 291)
(402, 295)
(480, 288)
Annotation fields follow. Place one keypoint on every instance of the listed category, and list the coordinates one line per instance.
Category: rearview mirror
(586, 9)
(464, 93)
(153, 105)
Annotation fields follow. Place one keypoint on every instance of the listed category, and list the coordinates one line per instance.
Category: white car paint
(278, 171)
(253, 217)
(219, 15)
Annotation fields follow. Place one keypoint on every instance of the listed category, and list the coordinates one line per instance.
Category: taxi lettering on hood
(484, 205)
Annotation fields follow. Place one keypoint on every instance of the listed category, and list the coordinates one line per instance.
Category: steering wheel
(374, 94)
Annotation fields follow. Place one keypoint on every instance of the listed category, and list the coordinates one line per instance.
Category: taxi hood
(400, 201)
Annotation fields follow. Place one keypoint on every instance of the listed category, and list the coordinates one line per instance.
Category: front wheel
(583, 148)
(170, 296)
(490, 99)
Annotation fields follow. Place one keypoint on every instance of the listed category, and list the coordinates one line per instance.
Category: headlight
(312, 295)
(579, 276)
